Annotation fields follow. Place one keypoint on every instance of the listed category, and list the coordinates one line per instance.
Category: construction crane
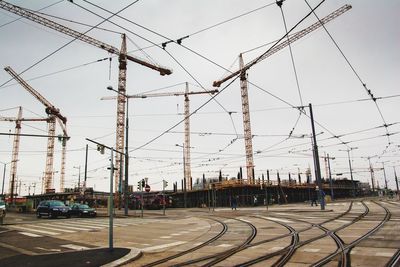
(186, 147)
(53, 114)
(243, 82)
(122, 58)
(13, 172)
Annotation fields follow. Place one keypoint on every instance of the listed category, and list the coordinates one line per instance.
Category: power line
(75, 38)
(354, 71)
(7, 23)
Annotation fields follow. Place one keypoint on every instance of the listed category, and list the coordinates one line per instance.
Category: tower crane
(186, 147)
(243, 81)
(18, 121)
(123, 57)
(53, 114)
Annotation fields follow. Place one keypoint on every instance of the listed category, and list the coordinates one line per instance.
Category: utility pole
(397, 182)
(330, 175)
(384, 175)
(86, 159)
(372, 174)
(351, 170)
(316, 161)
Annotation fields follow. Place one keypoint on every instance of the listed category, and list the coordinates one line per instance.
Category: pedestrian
(234, 203)
(255, 201)
(314, 199)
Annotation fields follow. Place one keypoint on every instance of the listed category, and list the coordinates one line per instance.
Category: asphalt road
(347, 233)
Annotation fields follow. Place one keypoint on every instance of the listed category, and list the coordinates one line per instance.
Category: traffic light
(165, 184)
(139, 187)
(100, 148)
(143, 183)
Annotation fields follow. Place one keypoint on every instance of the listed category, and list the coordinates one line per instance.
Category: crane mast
(123, 57)
(186, 147)
(243, 82)
(15, 152)
(14, 160)
(246, 123)
(53, 115)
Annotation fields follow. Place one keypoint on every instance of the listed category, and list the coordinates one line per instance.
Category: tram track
(341, 254)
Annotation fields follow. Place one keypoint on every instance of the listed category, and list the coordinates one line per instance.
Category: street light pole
(316, 160)
(330, 175)
(397, 182)
(126, 182)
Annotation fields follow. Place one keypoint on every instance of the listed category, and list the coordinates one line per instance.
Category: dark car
(52, 209)
(83, 210)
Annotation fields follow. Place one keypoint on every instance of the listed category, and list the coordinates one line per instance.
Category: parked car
(83, 210)
(52, 209)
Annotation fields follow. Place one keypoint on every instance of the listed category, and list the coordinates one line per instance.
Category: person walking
(314, 199)
(234, 203)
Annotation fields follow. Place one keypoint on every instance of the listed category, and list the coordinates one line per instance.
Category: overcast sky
(368, 35)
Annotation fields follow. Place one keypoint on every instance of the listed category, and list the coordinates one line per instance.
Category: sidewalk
(92, 257)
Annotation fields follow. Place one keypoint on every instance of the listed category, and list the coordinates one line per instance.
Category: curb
(131, 256)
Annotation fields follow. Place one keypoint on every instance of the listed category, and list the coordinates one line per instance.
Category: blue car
(52, 209)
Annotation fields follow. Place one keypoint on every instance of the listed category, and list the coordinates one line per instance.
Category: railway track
(328, 228)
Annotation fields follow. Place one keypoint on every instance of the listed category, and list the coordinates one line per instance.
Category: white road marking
(49, 249)
(33, 230)
(342, 221)
(164, 246)
(52, 228)
(276, 219)
(86, 228)
(29, 234)
(74, 247)
(384, 254)
(176, 234)
(82, 225)
(313, 250)
(225, 245)
(165, 237)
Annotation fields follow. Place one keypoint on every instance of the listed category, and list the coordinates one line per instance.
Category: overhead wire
(69, 42)
(180, 64)
(57, 72)
(53, 4)
(369, 92)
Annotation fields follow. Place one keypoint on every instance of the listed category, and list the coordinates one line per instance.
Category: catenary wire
(69, 42)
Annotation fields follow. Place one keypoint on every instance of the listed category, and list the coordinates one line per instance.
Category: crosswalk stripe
(74, 247)
(78, 225)
(29, 234)
(33, 230)
(52, 228)
(101, 224)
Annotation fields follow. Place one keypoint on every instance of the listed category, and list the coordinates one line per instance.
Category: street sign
(147, 188)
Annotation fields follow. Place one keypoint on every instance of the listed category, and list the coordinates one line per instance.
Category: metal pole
(351, 171)
(397, 182)
(111, 205)
(184, 177)
(142, 200)
(372, 175)
(384, 175)
(4, 177)
(85, 179)
(79, 179)
(330, 176)
(120, 184)
(126, 184)
(163, 197)
(316, 161)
